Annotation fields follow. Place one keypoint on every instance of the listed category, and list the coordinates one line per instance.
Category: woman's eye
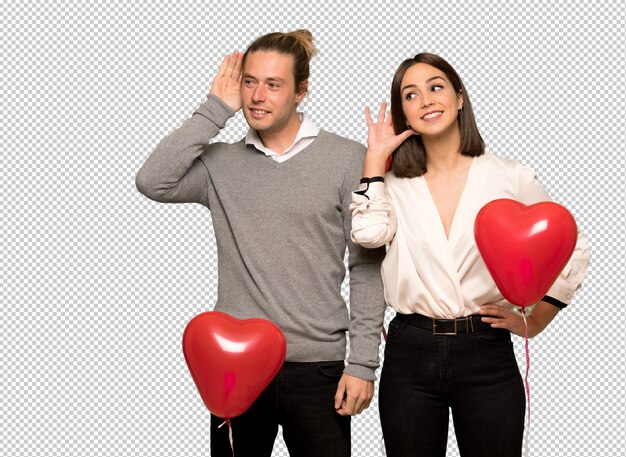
(410, 96)
(437, 87)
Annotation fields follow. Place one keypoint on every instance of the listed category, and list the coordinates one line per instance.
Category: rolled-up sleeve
(374, 221)
(573, 274)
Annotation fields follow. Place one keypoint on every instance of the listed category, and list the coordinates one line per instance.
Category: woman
(449, 345)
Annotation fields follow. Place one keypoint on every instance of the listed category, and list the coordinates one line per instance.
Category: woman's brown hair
(409, 159)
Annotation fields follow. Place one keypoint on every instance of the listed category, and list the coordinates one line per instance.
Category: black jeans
(301, 400)
(474, 375)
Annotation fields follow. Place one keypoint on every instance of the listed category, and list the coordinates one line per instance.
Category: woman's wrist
(374, 164)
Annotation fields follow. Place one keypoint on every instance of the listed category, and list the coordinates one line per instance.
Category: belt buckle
(435, 332)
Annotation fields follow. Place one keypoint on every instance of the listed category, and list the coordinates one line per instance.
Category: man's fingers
(341, 390)
(362, 405)
(222, 70)
(357, 395)
(350, 405)
(232, 64)
(238, 65)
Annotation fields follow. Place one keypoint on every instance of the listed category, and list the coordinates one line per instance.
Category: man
(279, 201)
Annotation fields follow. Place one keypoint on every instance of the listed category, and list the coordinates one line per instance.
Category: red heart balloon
(524, 247)
(232, 361)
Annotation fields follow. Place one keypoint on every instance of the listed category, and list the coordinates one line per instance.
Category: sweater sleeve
(172, 173)
(531, 191)
(367, 302)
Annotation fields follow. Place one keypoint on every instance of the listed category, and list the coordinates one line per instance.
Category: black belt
(467, 324)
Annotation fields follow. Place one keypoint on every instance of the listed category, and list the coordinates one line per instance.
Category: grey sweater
(281, 231)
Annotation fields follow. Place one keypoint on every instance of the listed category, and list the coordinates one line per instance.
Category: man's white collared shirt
(306, 135)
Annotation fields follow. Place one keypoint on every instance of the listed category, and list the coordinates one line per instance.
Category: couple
(289, 198)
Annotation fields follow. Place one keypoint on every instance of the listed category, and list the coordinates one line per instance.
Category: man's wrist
(361, 372)
(216, 111)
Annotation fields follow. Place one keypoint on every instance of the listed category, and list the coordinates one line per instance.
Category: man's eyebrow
(271, 78)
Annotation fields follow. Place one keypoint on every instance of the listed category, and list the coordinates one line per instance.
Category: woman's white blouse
(425, 272)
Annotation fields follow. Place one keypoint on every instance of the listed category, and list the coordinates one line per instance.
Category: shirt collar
(307, 129)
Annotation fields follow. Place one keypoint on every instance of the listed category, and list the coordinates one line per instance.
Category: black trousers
(301, 400)
(426, 376)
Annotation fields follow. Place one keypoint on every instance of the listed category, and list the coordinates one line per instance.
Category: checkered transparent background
(97, 282)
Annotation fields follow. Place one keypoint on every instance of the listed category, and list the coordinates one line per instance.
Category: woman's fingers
(381, 112)
(368, 116)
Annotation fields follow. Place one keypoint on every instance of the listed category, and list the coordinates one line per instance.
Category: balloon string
(523, 312)
(230, 434)
(526, 383)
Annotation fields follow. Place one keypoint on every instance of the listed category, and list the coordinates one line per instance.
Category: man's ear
(302, 90)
